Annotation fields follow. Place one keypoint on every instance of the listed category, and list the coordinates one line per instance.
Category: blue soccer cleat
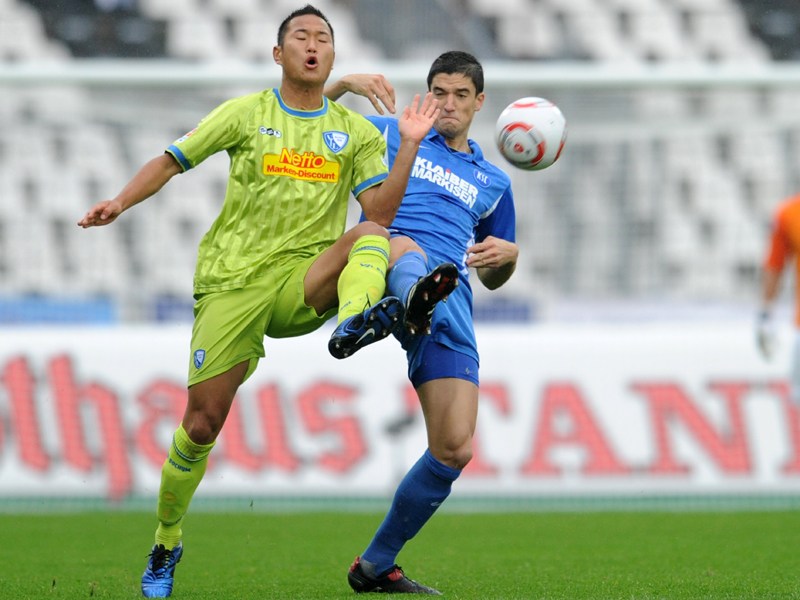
(372, 325)
(426, 294)
(159, 575)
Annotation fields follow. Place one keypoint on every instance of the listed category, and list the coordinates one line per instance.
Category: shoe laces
(160, 559)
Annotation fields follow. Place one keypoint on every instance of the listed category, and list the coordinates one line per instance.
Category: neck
(301, 97)
(460, 144)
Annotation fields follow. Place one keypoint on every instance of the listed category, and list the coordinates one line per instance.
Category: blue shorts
(437, 361)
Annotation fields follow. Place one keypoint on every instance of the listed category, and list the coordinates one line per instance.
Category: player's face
(307, 52)
(458, 101)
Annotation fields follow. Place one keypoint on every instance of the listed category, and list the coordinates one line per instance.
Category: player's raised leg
(364, 315)
(419, 289)
(426, 293)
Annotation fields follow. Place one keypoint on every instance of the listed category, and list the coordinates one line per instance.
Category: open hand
(417, 120)
(374, 87)
(102, 213)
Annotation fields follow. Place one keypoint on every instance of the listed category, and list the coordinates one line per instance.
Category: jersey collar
(308, 114)
(476, 156)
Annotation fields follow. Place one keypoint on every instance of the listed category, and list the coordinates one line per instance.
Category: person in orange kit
(784, 246)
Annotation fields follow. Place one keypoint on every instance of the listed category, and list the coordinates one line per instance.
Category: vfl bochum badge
(199, 357)
(335, 140)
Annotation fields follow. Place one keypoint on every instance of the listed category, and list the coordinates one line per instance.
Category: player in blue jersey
(458, 210)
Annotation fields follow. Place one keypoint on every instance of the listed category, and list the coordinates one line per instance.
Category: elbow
(382, 218)
(494, 278)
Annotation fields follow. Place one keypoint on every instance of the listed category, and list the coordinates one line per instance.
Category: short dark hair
(456, 61)
(306, 10)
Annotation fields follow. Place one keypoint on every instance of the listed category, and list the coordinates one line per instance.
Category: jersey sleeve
(500, 220)
(370, 163)
(219, 130)
(780, 248)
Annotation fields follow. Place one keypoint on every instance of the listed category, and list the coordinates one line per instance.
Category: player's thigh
(320, 284)
(229, 328)
(400, 245)
(450, 406)
(447, 385)
(292, 315)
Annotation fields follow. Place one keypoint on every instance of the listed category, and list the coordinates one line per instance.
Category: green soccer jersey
(290, 179)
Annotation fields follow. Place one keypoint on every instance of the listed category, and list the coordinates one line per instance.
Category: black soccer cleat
(426, 293)
(360, 330)
(394, 581)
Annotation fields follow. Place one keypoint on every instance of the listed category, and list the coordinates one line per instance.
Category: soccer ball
(530, 133)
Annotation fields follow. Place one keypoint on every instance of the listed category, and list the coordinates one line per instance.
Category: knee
(455, 455)
(370, 228)
(400, 245)
(202, 429)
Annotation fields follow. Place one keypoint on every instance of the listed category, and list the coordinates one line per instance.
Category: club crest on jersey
(199, 358)
(335, 140)
(482, 178)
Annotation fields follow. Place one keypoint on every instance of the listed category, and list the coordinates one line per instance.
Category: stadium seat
(592, 34)
(654, 34)
(22, 37)
(507, 8)
(723, 35)
(30, 257)
(242, 9)
(254, 37)
(198, 37)
(167, 11)
(95, 261)
(530, 35)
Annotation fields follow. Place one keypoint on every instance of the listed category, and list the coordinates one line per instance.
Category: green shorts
(229, 326)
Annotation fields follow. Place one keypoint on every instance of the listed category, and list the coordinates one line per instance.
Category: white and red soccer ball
(530, 133)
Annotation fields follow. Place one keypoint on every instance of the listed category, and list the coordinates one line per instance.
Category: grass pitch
(569, 556)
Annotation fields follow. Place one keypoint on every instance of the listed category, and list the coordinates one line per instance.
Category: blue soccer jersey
(453, 200)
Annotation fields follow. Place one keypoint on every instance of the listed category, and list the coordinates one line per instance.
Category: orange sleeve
(785, 243)
(780, 242)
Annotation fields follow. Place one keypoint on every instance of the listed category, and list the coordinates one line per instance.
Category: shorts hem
(206, 375)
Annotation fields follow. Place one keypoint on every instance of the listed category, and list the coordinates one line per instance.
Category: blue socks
(424, 488)
(405, 273)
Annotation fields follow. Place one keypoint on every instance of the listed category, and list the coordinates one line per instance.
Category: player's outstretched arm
(380, 203)
(374, 87)
(150, 178)
(494, 259)
(766, 334)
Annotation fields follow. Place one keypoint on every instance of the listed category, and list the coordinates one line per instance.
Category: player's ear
(276, 55)
(479, 101)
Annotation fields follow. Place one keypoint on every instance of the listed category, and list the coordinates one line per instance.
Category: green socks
(363, 280)
(181, 474)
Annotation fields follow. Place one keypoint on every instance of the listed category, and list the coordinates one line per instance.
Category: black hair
(456, 61)
(306, 10)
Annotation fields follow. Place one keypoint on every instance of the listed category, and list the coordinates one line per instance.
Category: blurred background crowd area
(659, 206)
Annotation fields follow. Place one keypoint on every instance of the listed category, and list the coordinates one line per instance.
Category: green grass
(570, 556)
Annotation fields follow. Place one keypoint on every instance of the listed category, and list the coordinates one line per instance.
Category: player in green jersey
(277, 261)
